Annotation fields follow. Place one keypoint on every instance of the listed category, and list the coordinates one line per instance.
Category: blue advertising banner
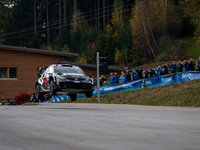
(168, 79)
(187, 76)
(133, 85)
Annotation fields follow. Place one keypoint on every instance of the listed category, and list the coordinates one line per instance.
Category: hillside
(186, 94)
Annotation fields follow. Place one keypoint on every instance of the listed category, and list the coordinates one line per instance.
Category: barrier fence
(138, 84)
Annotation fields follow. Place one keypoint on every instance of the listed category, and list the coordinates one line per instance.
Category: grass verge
(186, 94)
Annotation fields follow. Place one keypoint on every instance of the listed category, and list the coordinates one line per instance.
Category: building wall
(27, 70)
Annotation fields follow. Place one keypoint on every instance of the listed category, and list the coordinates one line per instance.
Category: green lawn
(186, 94)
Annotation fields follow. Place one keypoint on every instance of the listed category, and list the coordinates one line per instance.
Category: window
(12, 72)
(3, 73)
(8, 73)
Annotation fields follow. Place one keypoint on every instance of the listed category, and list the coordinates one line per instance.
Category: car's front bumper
(73, 86)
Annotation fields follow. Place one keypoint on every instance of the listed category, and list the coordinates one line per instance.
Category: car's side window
(50, 70)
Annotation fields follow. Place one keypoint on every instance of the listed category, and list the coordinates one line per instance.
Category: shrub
(21, 98)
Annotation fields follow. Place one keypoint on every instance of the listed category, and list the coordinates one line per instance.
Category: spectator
(192, 64)
(180, 67)
(199, 62)
(33, 98)
(111, 78)
(123, 79)
(134, 75)
(165, 69)
(139, 71)
(116, 78)
(159, 71)
(128, 76)
(164, 72)
(186, 65)
(151, 73)
(95, 81)
(102, 79)
(170, 67)
(174, 67)
(198, 68)
(105, 83)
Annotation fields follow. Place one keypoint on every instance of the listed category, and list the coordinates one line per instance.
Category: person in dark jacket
(128, 76)
(134, 75)
(165, 69)
(151, 73)
(116, 78)
(192, 64)
(174, 67)
(139, 71)
(186, 65)
(180, 67)
(198, 68)
(199, 62)
(170, 67)
(102, 79)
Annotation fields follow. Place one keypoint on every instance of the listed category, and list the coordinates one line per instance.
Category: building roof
(33, 50)
(92, 66)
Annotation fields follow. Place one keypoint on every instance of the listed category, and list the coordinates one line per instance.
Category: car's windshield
(69, 70)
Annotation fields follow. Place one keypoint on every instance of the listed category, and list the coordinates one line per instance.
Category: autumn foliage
(21, 98)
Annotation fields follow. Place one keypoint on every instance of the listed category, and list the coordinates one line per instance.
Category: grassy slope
(179, 94)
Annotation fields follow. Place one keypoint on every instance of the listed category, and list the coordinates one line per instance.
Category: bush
(21, 98)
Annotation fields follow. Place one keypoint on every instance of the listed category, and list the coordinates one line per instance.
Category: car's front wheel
(89, 94)
(52, 91)
(73, 97)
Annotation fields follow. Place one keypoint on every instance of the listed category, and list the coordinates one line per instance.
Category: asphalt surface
(99, 127)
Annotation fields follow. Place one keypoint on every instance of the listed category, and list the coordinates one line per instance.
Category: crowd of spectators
(167, 68)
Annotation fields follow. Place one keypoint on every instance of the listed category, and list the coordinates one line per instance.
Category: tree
(191, 8)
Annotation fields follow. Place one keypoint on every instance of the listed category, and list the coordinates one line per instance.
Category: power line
(57, 21)
(78, 22)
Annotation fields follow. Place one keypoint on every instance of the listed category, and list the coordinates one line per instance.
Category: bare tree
(108, 9)
(98, 17)
(104, 19)
(65, 23)
(47, 11)
(121, 13)
(96, 21)
(74, 6)
(145, 31)
(60, 17)
(151, 30)
(35, 28)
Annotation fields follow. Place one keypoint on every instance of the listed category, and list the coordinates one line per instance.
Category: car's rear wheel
(73, 97)
(38, 95)
(52, 91)
(89, 94)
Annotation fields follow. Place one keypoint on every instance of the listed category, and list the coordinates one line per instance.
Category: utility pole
(35, 18)
(47, 10)
(98, 80)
